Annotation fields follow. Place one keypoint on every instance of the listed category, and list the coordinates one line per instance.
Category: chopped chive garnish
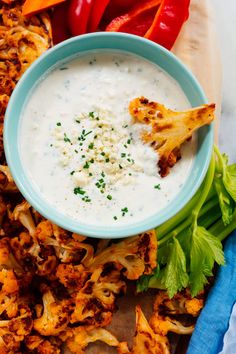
(103, 153)
(95, 136)
(91, 146)
(130, 174)
(123, 154)
(109, 197)
(101, 180)
(125, 146)
(79, 190)
(86, 165)
(157, 186)
(120, 167)
(90, 174)
(76, 151)
(91, 161)
(51, 145)
(103, 174)
(88, 133)
(83, 156)
(129, 141)
(72, 172)
(125, 126)
(77, 121)
(107, 159)
(66, 139)
(58, 124)
(91, 114)
(115, 217)
(124, 211)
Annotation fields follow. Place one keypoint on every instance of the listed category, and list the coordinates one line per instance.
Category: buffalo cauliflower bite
(40, 345)
(170, 129)
(164, 318)
(136, 255)
(55, 317)
(72, 276)
(13, 331)
(36, 258)
(146, 341)
(80, 337)
(67, 247)
(181, 303)
(7, 185)
(8, 294)
(95, 302)
(23, 214)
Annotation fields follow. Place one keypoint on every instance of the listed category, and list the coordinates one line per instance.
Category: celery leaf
(174, 276)
(205, 250)
(229, 179)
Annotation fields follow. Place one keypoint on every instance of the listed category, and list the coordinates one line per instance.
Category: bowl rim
(40, 204)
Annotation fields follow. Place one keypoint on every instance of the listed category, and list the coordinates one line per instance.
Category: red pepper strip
(168, 22)
(60, 28)
(117, 8)
(78, 15)
(137, 21)
(98, 8)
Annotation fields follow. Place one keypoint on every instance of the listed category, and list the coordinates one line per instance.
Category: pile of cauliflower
(60, 289)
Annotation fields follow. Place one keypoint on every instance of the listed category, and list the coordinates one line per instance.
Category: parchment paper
(197, 47)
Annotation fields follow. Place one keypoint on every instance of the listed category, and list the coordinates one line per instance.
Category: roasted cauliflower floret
(80, 337)
(6, 181)
(170, 129)
(181, 303)
(36, 258)
(72, 276)
(67, 247)
(136, 255)
(55, 317)
(145, 340)
(13, 331)
(23, 214)
(95, 302)
(41, 345)
(164, 318)
(8, 293)
(7, 260)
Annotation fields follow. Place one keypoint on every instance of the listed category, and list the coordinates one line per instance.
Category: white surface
(225, 14)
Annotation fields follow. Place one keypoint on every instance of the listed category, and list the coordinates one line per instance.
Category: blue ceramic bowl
(96, 41)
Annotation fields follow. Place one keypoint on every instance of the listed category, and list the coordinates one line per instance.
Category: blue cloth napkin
(213, 322)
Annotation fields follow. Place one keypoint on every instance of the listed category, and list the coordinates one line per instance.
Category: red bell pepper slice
(60, 28)
(98, 8)
(168, 22)
(137, 21)
(78, 16)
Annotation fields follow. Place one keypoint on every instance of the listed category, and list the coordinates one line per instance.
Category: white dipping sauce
(80, 148)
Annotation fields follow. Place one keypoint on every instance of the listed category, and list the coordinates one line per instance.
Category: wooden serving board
(197, 47)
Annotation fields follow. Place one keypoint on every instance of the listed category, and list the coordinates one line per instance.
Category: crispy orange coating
(169, 129)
